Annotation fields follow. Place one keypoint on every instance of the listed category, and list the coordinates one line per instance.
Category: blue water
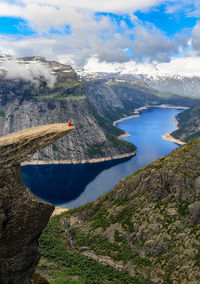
(75, 185)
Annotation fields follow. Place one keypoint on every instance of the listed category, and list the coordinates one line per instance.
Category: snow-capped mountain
(175, 84)
(169, 83)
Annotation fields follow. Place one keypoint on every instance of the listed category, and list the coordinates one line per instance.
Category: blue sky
(112, 31)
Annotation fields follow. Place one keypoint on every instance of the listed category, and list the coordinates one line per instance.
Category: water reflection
(61, 183)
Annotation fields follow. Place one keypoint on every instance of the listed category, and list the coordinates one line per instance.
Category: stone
(23, 216)
(194, 213)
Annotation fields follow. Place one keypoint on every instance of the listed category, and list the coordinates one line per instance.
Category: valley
(57, 94)
(147, 227)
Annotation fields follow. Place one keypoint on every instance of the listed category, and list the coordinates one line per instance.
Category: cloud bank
(94, 31)
(34, 72)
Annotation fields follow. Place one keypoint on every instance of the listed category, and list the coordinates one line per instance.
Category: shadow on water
(62, 183)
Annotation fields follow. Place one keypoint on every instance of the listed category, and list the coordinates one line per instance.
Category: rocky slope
(148, 226)
(188, 124)
(23, 216)
(175, 84)
(39, 92)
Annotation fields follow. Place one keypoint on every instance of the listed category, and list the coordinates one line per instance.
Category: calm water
(75, 185)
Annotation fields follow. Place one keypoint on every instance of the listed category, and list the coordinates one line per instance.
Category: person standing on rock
(69, 123)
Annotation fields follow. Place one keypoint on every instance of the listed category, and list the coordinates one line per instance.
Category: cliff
(22, 215)
(188, 124)
(148, 226)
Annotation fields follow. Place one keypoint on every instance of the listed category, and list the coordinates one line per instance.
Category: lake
(74, 185)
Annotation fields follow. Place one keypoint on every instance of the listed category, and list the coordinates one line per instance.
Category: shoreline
(166, 136)
(99, 160)
(170, 138)
(137, 111)
(58, 210)
(123, 136)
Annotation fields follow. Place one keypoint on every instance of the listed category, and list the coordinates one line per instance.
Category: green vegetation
(62, 264)
(144, 226)
(54, 147)
(111, 133)
(135, 95)
(63, 90)
(95, 150)
(189, 124)
(2, 113)
(118, 144)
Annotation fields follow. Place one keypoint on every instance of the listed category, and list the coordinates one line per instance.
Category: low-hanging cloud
(34, 72)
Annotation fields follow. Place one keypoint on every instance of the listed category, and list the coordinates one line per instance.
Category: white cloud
(45, 14)
(33, 72)
(196, 38)
(90, 37)
(116, 6)
(189, 66)
(101, 40)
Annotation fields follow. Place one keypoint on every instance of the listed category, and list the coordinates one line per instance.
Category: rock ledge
(23, 216)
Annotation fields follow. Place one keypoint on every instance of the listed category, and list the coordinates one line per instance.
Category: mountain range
(34, 91)
(147, 229)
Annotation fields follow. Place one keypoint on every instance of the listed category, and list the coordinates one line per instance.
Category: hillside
(35, 91)
(147, 227)
(188, 124)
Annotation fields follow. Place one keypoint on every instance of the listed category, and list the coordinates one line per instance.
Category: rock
(23, 216)
(194, 213)
(172, 212)
(38, 279)
(191, 253)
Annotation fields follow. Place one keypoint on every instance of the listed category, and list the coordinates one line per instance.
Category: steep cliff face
(89, 140)
(149, 225)
(22, 215)
(188, 124)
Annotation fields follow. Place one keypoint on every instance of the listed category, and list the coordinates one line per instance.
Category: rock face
(149, 224)
(23, 216)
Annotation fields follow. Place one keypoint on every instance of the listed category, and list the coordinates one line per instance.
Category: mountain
(34, 91)
(178, 84)
(188, 124)
(146, 229)
(48, 92)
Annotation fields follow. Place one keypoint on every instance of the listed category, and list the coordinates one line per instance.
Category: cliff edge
(23, 216)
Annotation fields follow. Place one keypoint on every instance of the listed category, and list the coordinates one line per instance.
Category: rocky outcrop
(23, 216)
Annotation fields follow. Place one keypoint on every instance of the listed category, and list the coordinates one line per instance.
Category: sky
(107, 35)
